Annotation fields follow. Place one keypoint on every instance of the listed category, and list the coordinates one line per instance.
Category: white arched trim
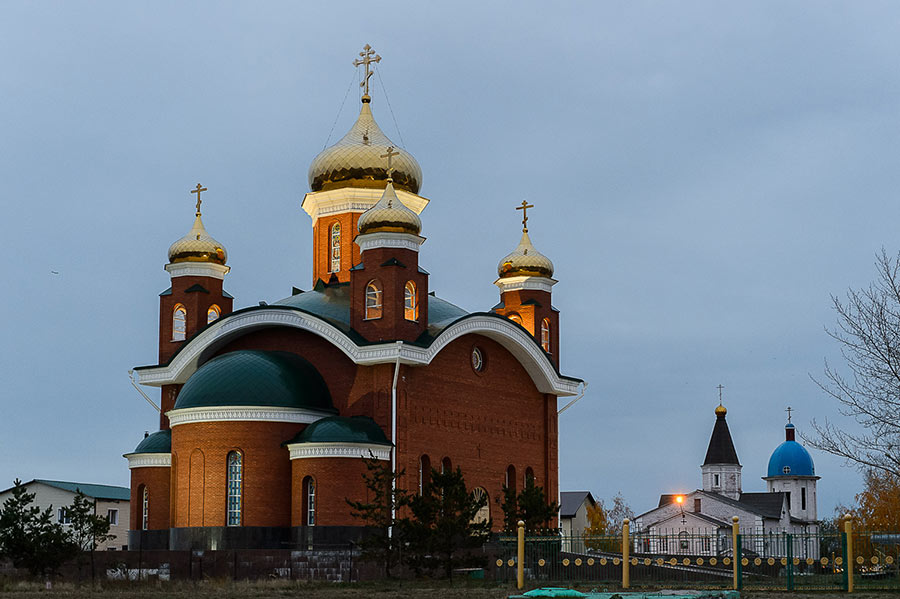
(517, 341)
(148, 460)
(300, 451)
(243, 414)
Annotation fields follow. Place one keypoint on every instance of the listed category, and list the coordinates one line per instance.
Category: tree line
(34, 540)
(437, 530)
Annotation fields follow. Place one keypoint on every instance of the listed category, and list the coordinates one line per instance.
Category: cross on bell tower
(524, 208)
(368, 57)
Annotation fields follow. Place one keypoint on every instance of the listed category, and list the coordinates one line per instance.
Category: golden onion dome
(525, 261)
(720, 410)
(389, 215)
(197, 246)
(357, 160)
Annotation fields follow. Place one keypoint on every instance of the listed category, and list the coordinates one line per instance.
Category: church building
(700, 522)
(267, 411)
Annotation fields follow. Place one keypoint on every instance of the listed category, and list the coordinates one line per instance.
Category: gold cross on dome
(368, 56)
(198, 190)
(390, 153)
(524, 208)
(789, 410)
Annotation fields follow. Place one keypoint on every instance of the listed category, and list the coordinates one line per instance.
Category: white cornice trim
(406, 241)
(197, 269)
(301, 451)
(148, 460)
(354, 199)
(511, 336)
(521, 283)
(242, 414)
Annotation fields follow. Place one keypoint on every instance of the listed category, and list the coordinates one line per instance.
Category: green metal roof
(91, 490)
(158, 442)
(256, 378)
(339, 429)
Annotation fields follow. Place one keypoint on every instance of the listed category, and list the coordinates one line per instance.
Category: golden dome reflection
(720, 410)
(525, 260)
(197, 246)
(356, 160)
(389, 215)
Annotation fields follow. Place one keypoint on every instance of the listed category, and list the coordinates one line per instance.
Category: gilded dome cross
(198, 190)
(789, 410)
(390, 154)
(524, 208)
(368, 56)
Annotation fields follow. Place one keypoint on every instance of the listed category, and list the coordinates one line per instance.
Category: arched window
(373, 300)
(179, 323)
(145, 507)
(213, 313)
(424, 472)
(511, 478)
(529, 477)
(309, 501)
(235, 489)
(484, 512)
(335, 247)
(446, 466)
(515, 318)
(410, 302)
(545, 334)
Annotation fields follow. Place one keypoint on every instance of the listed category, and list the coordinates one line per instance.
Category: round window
(477, 360)
(786, 469)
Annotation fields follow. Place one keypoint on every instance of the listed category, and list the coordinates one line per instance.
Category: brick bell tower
(347, 179)
(388, 290)
(195, 298)
(525, 286)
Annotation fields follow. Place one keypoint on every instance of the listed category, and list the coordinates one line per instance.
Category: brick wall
(156, 481)
(196, 303)
(337, 479)
(322, 246)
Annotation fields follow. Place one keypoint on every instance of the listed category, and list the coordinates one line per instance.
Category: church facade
(268, 411)
(700, 522)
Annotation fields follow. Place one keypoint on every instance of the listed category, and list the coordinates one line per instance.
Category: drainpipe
(565, 407)
(571, 403)
(394, 436)
(141, 391)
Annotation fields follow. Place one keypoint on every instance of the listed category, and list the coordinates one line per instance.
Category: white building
(776, 523)
(109, 501)
(573, 518)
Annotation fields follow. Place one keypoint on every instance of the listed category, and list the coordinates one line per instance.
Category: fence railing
(785, 560)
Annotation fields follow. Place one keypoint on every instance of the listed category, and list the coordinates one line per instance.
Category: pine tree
(86, 527)
(530, 506)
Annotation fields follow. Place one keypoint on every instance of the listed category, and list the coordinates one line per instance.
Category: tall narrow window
(515, 318)
(511, 478)
(235, 489)
(446, 466)
(802, 498)
(309, 500)
(424, 472)
(373, 300)
(545, 334)
(529, 477)
(335, 247)
(179, 323)
(484, 512)
(145, 507)
(410, 302)
(213, 313)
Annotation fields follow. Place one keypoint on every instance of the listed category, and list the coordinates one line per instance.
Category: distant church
(268, 410)
(700, 522)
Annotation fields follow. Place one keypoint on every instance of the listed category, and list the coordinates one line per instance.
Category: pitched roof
(766, 504)
(570, 501)
(721, 448)
(89, 489)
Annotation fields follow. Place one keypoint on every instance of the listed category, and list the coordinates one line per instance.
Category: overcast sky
(705, 176)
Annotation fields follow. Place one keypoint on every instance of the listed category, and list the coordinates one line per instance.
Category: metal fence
(705, 559)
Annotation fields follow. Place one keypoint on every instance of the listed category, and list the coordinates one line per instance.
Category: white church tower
(791, 471)
(721, 469)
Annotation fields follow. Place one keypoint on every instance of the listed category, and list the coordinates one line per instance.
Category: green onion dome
(158, 442)
(256, 378)
(338, 429)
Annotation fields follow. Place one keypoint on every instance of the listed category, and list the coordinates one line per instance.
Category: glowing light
(679, 498)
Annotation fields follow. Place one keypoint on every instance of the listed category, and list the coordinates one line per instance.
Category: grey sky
(705, 174)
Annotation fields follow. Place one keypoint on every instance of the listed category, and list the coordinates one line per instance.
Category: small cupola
(389, 215)
(198, 245)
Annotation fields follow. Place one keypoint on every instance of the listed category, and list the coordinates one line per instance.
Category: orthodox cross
(524, 208)
(720, 387)
(390, 153)
(789, 410)
(367, 59)
(198, 190)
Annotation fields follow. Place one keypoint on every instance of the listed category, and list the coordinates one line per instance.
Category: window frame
(309, 501)
(213, 309)
(145, 507)
(410, 302)
(374, 300)
(334, 247)
(234, 489)
(179, 335)
(545, 334)
(424, 472)
(516, 318)
(112, 516)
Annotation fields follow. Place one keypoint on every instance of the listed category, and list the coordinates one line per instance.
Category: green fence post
(844, 553)
(739, 567)
(790, 561)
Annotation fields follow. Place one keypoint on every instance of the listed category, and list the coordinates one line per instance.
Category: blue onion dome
(356, 160)
(525, 261)
(158, 442)
(256, 378)
(389, 215)
(790, 458)
(339, 429)
(197, 246)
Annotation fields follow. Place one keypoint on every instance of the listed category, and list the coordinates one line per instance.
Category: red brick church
(268, 410)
